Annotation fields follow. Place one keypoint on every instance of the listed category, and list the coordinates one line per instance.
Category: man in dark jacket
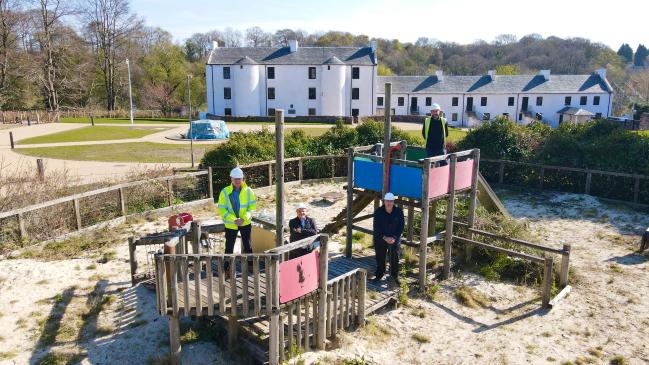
(435, 132)
(302, 226)
(388, 227)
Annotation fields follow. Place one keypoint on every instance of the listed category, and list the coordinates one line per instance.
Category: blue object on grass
(209, 129)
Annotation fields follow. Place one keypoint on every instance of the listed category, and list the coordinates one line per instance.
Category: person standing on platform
(435, 132)
(388, 227)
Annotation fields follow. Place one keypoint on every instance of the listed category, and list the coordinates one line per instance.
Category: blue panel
(367, 174)
(405, 181)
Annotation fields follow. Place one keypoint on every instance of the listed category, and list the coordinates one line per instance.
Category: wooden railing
(540, 178)
(89, 209)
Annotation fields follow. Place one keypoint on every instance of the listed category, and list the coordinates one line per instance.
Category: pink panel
(438, 181)
(298, 276)
(439, 178)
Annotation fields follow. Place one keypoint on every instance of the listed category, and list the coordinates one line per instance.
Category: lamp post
(191, 132)
(130, 96)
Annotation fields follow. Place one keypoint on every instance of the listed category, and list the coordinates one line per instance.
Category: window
(539, 100)
(379, 101)
(227, 111)
(400, 101)
(595, 100)
(354, 112)
(567, 100)
(429, 101)
(312, 93)
(311, 111)
(271, 112)
(583, 100)
(312, 73)
(520, 116)
(483, 101)
(356, 73)
(355, 93)
(271, 93)
(486, 116)
(454, 101)
(271, 72)
(510, 101)
(454, 117)
(226, 72)
(227, 93)
(598, 115)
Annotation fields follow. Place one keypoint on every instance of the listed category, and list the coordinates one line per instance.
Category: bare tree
(109, 24)
(256, 37)
(232, 38)
(8, 20)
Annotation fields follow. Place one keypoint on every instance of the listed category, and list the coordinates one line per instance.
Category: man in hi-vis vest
(236, 204)
(435, 131)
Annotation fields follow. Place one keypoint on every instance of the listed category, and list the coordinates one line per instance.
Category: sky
(461, 21)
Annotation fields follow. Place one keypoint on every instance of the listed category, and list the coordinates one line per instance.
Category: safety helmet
(236, 173)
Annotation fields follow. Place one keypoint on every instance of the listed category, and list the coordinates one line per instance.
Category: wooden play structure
(274, 306)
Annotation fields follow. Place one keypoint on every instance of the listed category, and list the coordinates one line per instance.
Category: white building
(343, 81)
(326, 81)
(468, 100)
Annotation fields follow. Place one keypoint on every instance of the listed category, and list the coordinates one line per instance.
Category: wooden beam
(132, 259)
(323, 270)
(565, 265)
(513, 253)
(279, 177)
(423, 244)
(350, 202)
(387, 129)
(547, 282)
(450, 210)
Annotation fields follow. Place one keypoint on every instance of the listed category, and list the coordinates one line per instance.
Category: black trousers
(231, 238)
(383, 249)
(432, 152)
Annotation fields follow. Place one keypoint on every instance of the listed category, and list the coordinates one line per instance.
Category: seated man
(388, 227)
(302, 226)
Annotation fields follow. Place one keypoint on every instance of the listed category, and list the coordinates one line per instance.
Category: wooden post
(362, 291)
(300, 173)
(273, 353)
(92, 120)
(122, 201)
(589, 177)
(210, 183)
(333, 167)
(40, 169)
(501, 172)
(196, 237)
(21, 226)
(77, 213)
(636, 189)
(450, 208)
(350, 199)
(411, 223)
(174, 340)
(323, 270)
(170, 191)
(270, 174)
(279, 179)
(541, 178)
(423, 236)
(170, 249)
(11, 140)
(132, 259)
(547, 282)
(387, 122)
(565, 265)
(473, 197)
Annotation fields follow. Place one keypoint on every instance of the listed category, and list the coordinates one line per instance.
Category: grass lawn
(96, 133)
(121, 152)
(165, 121)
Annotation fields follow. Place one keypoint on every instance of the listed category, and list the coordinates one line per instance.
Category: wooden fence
(609, 185)
(84, 211)
(28, 117)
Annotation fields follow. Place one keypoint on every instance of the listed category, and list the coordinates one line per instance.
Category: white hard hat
(388, 196)
(435, 106)
(301, 206)
(236, 173)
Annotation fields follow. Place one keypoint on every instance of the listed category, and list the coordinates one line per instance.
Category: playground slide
(489, 199)
(359, 203)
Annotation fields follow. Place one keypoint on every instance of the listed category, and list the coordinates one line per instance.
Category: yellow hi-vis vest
(427, 125)
(247, 205)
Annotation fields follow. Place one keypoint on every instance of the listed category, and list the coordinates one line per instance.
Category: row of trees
(71, 54)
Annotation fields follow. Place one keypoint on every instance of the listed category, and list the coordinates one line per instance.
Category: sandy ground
(606, 315)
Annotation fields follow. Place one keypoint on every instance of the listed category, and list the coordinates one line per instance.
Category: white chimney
(440, 75)
(545, 74)
(373, 46)
(601, 72)
(492, 75)
(292, 44)
(215, 45)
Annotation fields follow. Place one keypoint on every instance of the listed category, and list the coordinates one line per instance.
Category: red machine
(179, 221)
